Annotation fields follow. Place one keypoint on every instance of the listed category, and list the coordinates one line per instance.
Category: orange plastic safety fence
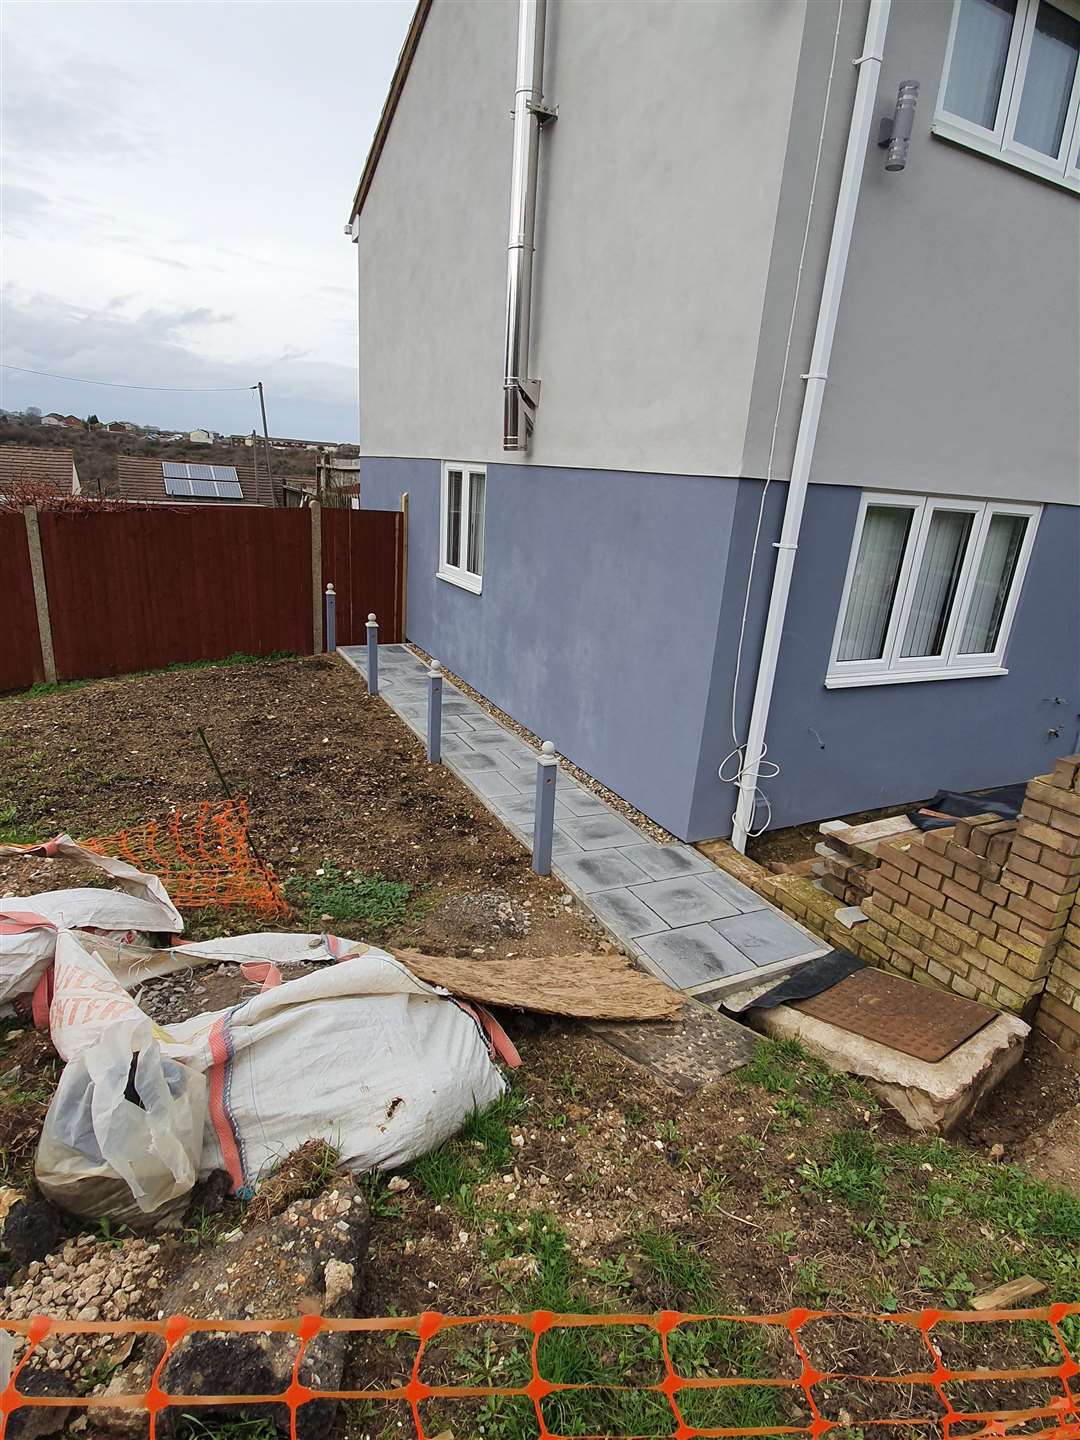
(204, 859)
(1057, 1419)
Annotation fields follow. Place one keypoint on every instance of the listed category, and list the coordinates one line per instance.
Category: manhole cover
(927, 1024)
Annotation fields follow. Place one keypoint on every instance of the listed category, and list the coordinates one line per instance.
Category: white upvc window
(461, 528)
(931, 589)
(1011, 84)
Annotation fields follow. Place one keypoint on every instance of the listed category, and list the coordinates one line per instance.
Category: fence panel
(363, 555)
(140, 589)
(20, 648)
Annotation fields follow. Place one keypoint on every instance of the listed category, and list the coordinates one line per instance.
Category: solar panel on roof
(177, 485)
(173, 471)
(210, 482)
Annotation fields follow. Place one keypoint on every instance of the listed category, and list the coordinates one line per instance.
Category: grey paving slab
(765, 937)
(489, 734)
(665, 862)
(578, 799)
(625, 913)
(599, 870)
(494, 783)
(456, 744)
(466, 759)
(684, 901)
(734, 891)
(562, 845)
(693, 955)
(601, 832)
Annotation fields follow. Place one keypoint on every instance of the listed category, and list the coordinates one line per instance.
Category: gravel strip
(624, 808)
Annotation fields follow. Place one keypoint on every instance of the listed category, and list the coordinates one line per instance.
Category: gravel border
(625, 809)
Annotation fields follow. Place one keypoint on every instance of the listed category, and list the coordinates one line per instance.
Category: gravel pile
(86, 1280)
(486, 915)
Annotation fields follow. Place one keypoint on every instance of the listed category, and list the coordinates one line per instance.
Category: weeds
(853, 1171)
(368, 900)
(238, 657)
(194, 1428)
(484, 1145)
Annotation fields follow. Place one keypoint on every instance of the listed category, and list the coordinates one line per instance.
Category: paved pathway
(688, 922)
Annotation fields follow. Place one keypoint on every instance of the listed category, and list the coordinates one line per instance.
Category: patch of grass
(775, 1066)
(483, 1146)
(238, 657)
(192, 1427)
(12, 833)
(854, 1170)
(368, 900)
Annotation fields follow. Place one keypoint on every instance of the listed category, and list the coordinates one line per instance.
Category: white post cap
(371, 618)
(330, 587)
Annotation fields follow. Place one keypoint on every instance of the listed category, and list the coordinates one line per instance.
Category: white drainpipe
(862, 115)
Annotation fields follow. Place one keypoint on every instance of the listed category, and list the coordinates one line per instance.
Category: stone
(32, 1229)
(36, 1422)
(319, 1275)
(933, 1098)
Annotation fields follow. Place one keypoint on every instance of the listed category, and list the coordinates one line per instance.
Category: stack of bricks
(987, 908)
(849, 853)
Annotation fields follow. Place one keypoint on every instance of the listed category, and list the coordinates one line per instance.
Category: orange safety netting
(204, 859)
(1058, 1418)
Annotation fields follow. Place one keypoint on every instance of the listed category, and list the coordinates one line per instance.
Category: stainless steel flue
(520, 392)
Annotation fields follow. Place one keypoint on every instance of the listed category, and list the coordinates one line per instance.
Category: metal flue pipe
(520, 393)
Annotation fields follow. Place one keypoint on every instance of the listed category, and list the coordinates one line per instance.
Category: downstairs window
(931, 589)
(461, 542)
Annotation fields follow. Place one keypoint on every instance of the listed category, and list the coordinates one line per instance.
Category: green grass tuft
(367, 900)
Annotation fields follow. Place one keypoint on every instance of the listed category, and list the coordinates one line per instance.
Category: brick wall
(987, 907)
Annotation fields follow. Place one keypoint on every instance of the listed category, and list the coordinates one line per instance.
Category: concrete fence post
(434, 714)
(41, 593)
(372, 655)
(547, 768)
(331, 619)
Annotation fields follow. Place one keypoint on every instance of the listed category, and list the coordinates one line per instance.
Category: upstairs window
(1011, 85)
(461, 542)
(931, 588)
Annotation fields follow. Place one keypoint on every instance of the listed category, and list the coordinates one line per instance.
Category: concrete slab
(665, 862)
(624, 913)
(600, 870)
(684, 902)
(579, 800)
(737, 894)
(466, 759)
(601, 832)
(694, 955)
(765, 936)
(933, 1098)
(687, 1054)
(493, 783)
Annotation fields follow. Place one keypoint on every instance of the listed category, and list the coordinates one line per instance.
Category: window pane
(980, 50)
(1048, 82)
(475, 562)
(992, 584)
(873, 585)
(453, 518)
(935, 589)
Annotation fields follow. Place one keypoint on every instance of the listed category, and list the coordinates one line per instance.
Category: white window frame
(999, 142)
(460, 574)
(893, 668)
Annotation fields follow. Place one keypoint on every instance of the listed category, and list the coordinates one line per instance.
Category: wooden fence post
(316, 579)
(41, 593)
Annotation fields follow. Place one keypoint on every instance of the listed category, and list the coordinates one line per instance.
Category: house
(748, 472)
(32, 468)
(52, 419)
(201, 437)
(181, 482)
(121, 427)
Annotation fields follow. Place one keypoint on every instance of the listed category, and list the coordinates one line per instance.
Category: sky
(175, 181)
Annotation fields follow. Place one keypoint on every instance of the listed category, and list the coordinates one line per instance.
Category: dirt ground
(591, 1187)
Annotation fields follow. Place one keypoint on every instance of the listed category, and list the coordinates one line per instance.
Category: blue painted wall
(858, 749)
(609, 623)
(598, 619)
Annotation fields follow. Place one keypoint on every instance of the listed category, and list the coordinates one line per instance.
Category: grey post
(331, 620)
(372, 655)
(547, 768)
(434, 714)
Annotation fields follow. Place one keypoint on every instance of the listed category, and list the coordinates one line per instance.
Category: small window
(1011, 85)
(931, 588)
(461, 554)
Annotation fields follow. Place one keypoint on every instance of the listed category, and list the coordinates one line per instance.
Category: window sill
(907, 677)
(462, 579)
(957, 135)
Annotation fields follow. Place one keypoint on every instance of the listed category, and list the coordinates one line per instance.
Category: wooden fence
(86, 595)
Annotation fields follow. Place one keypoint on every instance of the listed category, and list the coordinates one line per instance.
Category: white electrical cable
(738, 753)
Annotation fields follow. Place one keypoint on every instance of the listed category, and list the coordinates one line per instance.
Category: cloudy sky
(176, 179)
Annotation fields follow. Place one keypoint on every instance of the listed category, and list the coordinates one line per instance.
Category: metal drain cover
(926, 1024)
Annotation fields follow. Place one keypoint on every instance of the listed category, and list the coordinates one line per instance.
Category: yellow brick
(993, 950)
